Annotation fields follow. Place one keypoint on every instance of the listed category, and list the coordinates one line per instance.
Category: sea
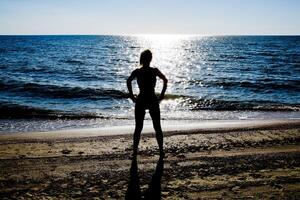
(79, 81)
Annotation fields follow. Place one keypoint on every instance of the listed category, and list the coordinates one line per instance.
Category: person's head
(146, 57)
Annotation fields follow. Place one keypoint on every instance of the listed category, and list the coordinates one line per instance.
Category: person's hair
(146, 57)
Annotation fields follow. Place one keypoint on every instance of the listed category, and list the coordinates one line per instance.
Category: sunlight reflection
(168, 54)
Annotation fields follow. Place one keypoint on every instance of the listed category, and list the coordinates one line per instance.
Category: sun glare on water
(171, 54)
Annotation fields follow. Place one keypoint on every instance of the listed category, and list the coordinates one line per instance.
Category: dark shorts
(150, 102)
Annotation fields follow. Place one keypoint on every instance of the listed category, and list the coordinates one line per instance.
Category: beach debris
(165, 194)
(104, 180)
(50, 144)
(66, 151)
(29, 194)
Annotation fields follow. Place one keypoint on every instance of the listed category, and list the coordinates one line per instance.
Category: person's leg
(139, 122)
(155, 115)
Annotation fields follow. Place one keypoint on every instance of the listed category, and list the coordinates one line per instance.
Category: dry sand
(208, 160)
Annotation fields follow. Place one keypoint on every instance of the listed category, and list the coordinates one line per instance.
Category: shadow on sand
(154, 190)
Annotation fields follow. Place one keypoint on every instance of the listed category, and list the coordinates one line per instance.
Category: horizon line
(151, 34)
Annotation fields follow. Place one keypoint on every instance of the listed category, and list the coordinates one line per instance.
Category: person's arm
(163, 77)
(129, 86)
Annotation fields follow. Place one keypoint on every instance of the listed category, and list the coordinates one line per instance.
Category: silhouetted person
(154, 190)
(146, 79)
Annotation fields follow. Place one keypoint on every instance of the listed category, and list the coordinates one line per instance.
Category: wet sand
(217, 160)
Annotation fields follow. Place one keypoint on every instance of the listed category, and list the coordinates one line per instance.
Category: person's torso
(146, 79)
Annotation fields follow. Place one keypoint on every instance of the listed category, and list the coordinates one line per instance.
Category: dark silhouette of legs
(155, 115)
(139, 113)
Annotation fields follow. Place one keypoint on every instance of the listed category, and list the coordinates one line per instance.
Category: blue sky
(204, 17)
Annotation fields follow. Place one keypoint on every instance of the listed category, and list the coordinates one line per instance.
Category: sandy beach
(209, 160)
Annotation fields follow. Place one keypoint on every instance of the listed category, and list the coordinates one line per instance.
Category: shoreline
(168, 129)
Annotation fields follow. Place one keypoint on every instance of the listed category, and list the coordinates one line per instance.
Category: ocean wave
(232, 57)
(260, 85)
(16, 111)
(64, 92)
(75, 62)
(67, 92)
(174, 96)
(221, 105)
(267, 54)
(55, 91)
